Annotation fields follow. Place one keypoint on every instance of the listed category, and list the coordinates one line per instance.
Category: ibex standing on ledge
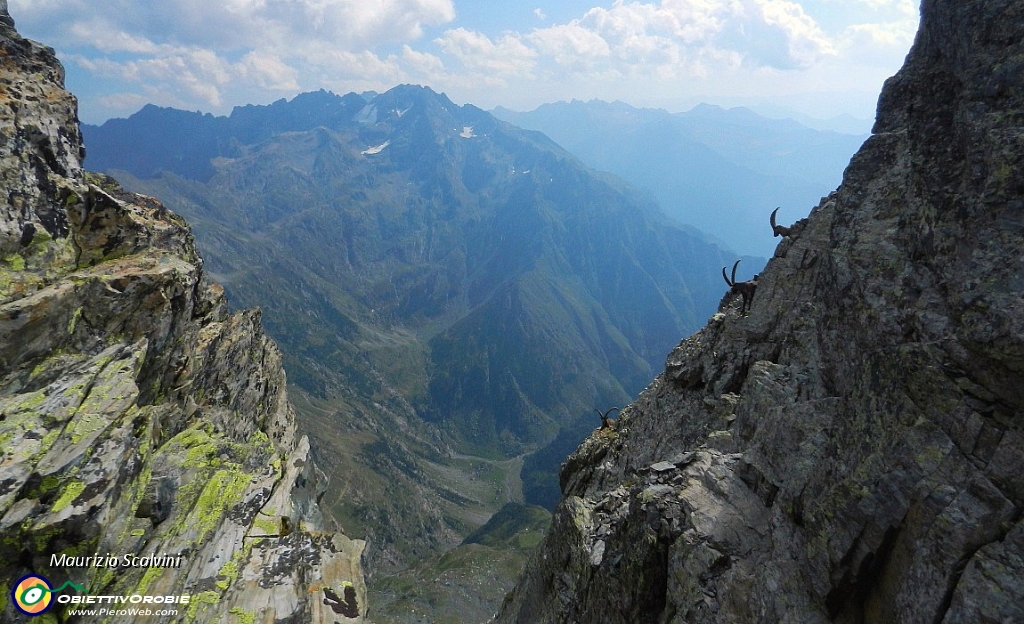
(746, 289)
(779, 230)
(607, 423)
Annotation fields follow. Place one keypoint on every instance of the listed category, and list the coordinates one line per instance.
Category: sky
(819, 58)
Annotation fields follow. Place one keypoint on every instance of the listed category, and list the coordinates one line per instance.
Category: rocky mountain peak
(139, 420)
(850, 450)
(5, 16)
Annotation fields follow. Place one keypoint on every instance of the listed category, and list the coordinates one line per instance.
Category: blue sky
(820, 58)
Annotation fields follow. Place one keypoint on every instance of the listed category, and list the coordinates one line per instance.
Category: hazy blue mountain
(441, 282)
(720, 170)
(533, 286)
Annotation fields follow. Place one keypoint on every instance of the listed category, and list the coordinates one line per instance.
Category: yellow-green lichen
(202, 600)
(47, 442)
(42, 537)
(198, 446)
(227, 574)
(32, 401)
(39, 241)
(71, 491)
(259, 437)
(85, 424)
(147, 578)
(77, 314)
(242, 616)
(16, 262)
(221, 492)
(265, 525)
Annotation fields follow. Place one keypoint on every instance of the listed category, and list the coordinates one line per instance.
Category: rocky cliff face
(137, 416)
(851, 450)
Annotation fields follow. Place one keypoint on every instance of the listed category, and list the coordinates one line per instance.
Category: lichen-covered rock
(852, 449)
(137, 416)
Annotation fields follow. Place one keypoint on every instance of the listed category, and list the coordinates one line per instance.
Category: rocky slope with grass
(137, 415)
(850, 450)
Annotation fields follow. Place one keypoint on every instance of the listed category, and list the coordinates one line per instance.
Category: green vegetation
(466, 583)
(514, 526)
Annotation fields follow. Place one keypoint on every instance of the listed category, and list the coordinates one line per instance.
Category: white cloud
(126, 101)
(907, 7)
(199, 51)
(507, 55)
(236, 24)
(196, 73)
(217, 54)
(269, 72)
(877, 44)
(570, 45)
(422, 63)
(671, 40)
(806, 43)
(114, 41)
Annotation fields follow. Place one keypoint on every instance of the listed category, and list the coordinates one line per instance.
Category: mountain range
(720, 170)
(449, 291)
(498, 258)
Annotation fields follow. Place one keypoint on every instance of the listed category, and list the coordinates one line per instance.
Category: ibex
(746, 289)
(779, 230)
(607, 423)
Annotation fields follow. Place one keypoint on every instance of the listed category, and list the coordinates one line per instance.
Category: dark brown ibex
(607, 423)
(746, 289)
(779, 230)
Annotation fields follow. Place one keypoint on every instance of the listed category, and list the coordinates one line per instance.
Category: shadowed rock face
(851, 450)
(137, 416)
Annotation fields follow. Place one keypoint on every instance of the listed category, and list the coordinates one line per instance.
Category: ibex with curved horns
(779, 230)
(607, 423)
(746, 289)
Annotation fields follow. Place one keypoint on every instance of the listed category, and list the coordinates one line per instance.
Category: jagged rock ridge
(851, 450)
(137, 416)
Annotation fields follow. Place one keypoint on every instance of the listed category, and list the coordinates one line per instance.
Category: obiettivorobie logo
(32, 594)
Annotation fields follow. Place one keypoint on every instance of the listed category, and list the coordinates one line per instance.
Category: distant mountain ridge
(720, 170)
(450, 278)
(498, 183)
(186, 142)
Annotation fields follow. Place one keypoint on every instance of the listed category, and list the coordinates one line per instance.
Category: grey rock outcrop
(852, 450)
(137, 415)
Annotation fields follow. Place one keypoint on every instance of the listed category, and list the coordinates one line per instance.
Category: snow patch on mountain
(376, 149)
